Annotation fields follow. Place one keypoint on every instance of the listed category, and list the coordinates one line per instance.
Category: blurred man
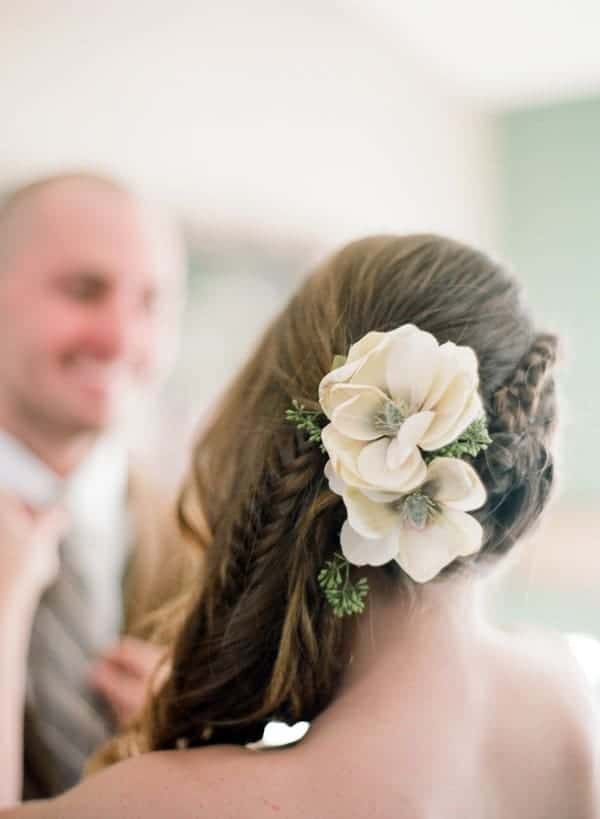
(86, 282)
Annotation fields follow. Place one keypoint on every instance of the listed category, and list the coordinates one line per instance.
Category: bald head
(90, 283)
(21, 207)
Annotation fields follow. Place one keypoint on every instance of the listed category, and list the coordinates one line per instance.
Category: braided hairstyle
(518, 468)
(259, 641)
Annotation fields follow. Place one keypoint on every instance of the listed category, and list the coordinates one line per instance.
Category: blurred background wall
(294, 116)
(277, 130)
(548, 211)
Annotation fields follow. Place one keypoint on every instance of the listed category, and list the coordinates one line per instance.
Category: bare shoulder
(228, 782)
(546, 657)
(555, 694)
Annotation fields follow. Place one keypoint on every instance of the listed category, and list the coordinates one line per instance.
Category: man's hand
(28, 546)
(28, 562)
(123, 675)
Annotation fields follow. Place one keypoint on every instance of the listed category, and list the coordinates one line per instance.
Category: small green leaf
(344, 597)
(474, 439)
(306, 420)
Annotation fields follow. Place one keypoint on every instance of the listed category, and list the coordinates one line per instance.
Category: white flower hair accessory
(403, 411)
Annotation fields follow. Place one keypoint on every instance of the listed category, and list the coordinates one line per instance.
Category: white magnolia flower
(396, 392)
(423, 530)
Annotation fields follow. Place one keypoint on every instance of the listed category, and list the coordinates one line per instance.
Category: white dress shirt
(98, 538)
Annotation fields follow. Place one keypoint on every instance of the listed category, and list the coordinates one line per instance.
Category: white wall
(287, 115)
(293, 121)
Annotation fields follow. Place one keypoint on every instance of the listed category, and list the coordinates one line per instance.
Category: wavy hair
(258, 640)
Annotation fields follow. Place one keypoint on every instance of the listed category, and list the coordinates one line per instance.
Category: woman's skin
(439, 715)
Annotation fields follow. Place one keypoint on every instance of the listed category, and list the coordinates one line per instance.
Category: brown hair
(260, 641)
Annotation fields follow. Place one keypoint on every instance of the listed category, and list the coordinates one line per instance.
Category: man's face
(78, 292)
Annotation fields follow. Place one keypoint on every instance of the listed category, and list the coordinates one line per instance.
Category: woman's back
(490, 731)
(487, 729)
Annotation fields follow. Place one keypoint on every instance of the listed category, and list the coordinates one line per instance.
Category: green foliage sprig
(344, 597)
(306, 420)
(474, 439)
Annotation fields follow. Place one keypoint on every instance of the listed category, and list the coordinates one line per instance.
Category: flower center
(390, 417)
(417, 509)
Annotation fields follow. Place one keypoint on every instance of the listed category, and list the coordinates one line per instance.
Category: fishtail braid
(239, 682)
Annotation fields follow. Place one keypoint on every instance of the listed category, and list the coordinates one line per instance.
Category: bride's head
(261, 640)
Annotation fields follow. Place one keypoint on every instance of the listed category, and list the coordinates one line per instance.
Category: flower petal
(408, 437)
(454, 429)
(344, 452)
(336, 484)
(423, 553)
(340, 448)
(352, 478)
(470, 529)
(380, 497)
(362, 551)
(370, 346)
(364, 346)
(327, 395)
(358, 355)
(447, 412)
(373, 469)
(355, 417)
(452, 359)
(371, 370)
(455, 484)
(411, 366)
(367, 517)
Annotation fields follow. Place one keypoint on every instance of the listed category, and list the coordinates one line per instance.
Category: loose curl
(258, 640)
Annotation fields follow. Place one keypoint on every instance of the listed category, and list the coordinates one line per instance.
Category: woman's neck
(444, 618)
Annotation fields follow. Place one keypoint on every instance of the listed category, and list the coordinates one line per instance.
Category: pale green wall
(550, 231)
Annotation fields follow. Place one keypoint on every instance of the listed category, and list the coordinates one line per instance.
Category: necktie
(78, 617)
